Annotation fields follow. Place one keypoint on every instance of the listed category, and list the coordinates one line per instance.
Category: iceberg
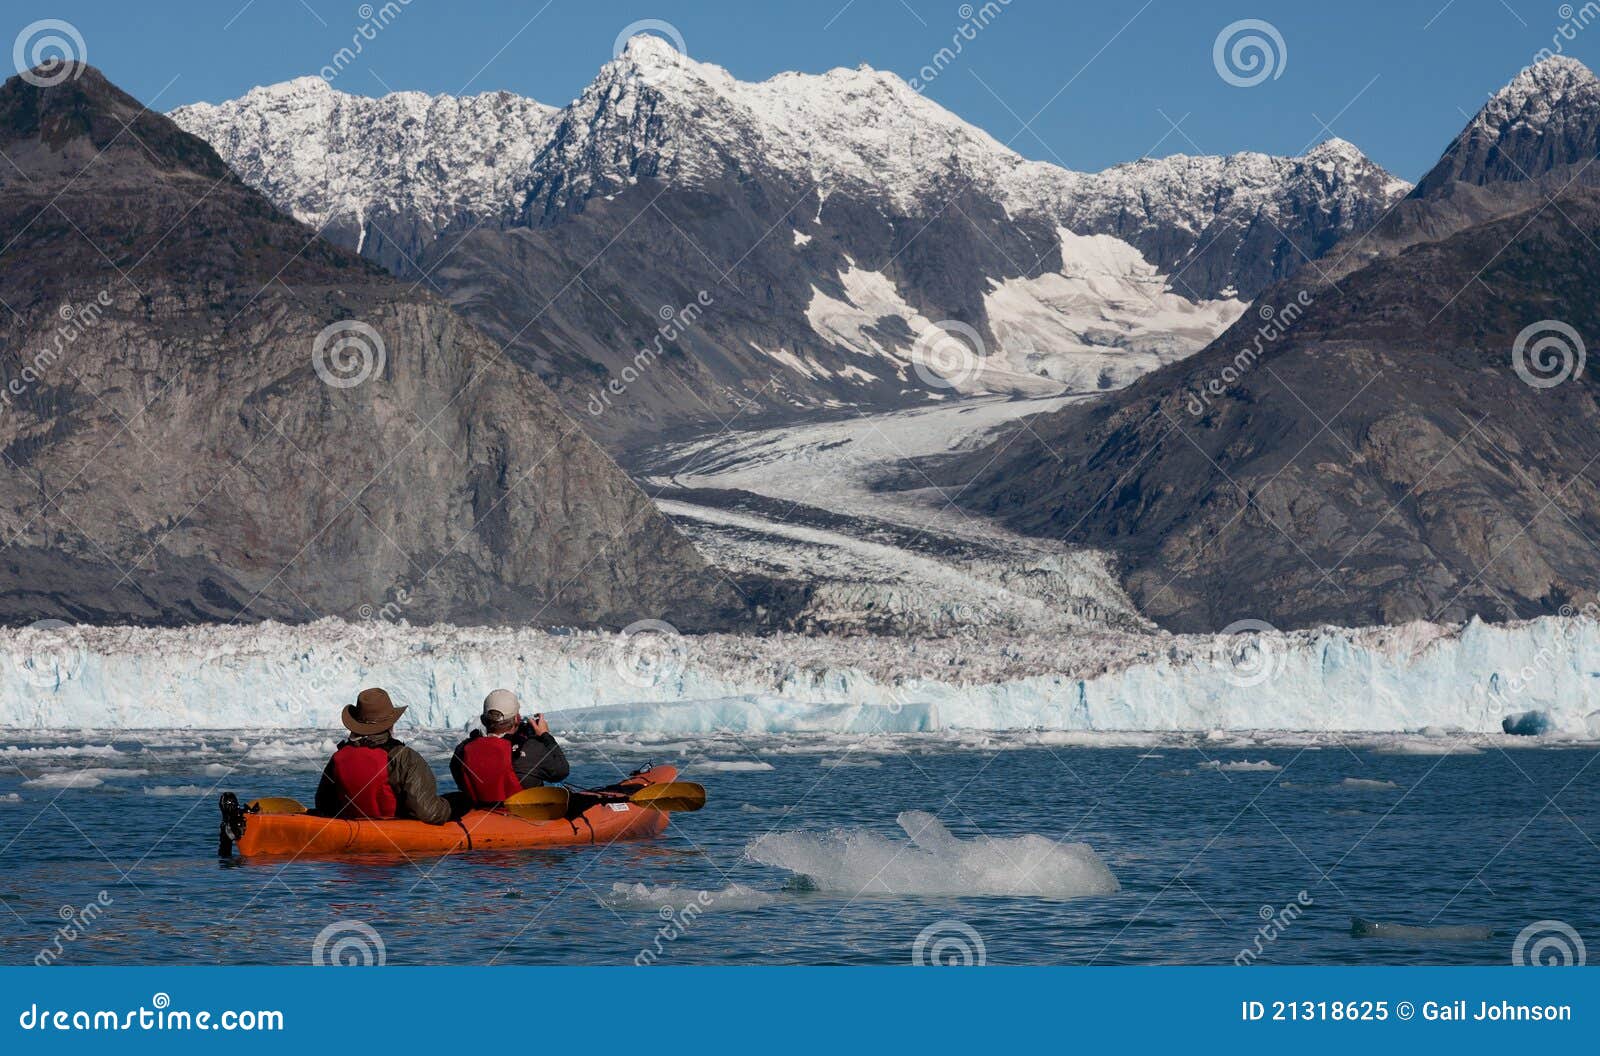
(860, 862)
(1423, 680)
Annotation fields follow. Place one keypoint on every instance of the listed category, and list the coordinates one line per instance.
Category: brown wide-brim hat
(373, 712)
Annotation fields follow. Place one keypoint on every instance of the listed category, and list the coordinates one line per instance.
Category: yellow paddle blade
(671, 796)
(276, 805)
(543, 803)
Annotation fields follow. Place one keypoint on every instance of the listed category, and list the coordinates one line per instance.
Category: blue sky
(1085, 84)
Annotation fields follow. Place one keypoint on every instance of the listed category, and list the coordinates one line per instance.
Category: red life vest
(486, 771)
(362, 775)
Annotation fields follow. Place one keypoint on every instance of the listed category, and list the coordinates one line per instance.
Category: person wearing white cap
(509, 754)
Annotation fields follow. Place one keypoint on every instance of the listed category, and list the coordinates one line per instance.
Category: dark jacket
(537, 760)
(415, 790)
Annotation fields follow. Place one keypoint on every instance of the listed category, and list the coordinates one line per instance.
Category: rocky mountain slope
(1532, 140)
(1414, 442)
(852, 244)
(211, 414)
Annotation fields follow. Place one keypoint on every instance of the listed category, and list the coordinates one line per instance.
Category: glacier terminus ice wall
(1543, 675)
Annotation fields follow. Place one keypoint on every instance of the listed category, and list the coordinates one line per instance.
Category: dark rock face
(174, 454)
(1374, 453)
(1383, 460)
(1543, 126)
(1535, 138)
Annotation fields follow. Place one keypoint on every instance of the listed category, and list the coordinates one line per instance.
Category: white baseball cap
(500, 709)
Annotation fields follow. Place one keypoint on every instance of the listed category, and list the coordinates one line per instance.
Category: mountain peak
(1541, 124)
(1335, 149)
(54, 119)
(651, 48)
(1558, 72)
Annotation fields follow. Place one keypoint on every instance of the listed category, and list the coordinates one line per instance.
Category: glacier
(1419, 677)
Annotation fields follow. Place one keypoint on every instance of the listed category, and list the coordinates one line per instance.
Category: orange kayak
(599, 816)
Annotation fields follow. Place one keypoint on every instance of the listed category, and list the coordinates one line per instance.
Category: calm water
(1501, 839)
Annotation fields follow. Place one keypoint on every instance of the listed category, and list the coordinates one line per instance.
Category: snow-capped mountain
(381, 176)
(1540, 126)
(834, 220)
(1416, 445)
(1534, 139)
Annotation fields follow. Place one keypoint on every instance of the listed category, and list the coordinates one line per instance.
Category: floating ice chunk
(644, 896)
(1368, 929)
(1240, 766)
(846, 761)
(1527, 724)
(89, 777)
(20, 756)
(728, 766)
(856, 861)
(10, 797)
(177, 790)
(1368, 784)
(1421, 746)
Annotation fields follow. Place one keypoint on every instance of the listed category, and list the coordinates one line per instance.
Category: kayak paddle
(540, 803)
(671, 796)
(276, 805)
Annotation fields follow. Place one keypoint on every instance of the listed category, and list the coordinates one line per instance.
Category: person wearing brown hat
(509, 754)
(373, 775)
